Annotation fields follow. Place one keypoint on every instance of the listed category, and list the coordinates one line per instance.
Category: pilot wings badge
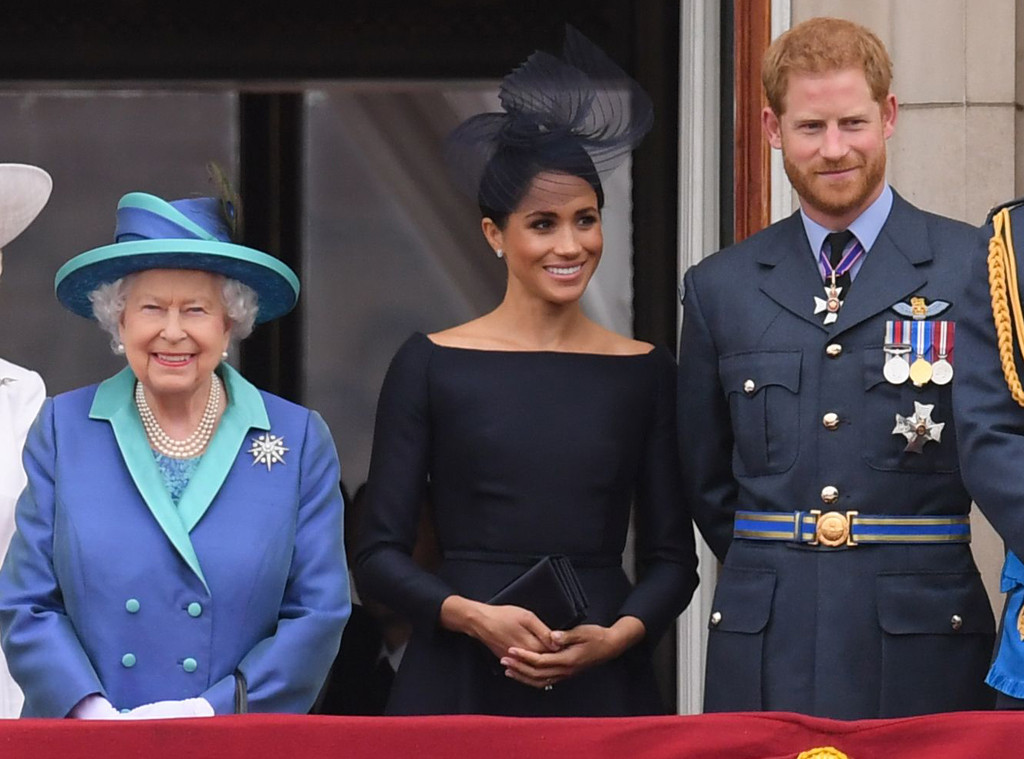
(919, 308)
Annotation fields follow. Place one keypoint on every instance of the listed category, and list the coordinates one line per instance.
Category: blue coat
(107, 587)
(857, 632)
(991, 429)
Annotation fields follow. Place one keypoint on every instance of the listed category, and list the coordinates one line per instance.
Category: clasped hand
(529, 650)
(570, 652)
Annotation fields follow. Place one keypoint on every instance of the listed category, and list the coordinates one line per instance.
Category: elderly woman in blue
(178, 549)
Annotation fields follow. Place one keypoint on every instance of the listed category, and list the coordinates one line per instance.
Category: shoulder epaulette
(1001, 206)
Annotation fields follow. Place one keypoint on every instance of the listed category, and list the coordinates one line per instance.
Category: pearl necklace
(195, 443)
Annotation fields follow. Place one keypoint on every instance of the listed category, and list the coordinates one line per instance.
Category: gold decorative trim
(1002, 278)
(822, 752)
(916, 520)
(764, 534)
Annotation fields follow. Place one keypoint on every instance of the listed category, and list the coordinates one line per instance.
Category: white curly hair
(240, 303)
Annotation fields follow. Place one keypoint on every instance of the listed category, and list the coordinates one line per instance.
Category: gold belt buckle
(833, 528)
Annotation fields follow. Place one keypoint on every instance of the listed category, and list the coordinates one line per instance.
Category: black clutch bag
(551, 590)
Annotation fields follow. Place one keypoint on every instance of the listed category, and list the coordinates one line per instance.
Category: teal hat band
(144, 217)
(186, 234)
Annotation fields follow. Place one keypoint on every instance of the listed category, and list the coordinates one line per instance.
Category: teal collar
(245, 410)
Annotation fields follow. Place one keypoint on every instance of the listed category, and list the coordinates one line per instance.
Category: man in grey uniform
(816, 429)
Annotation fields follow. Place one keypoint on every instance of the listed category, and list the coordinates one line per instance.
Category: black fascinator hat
(578, 115)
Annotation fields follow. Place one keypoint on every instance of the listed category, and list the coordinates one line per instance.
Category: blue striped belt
(849, 528)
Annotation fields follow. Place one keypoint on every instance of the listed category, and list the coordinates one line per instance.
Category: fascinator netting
(577, 115)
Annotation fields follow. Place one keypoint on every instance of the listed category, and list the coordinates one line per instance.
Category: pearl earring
(499, 253)
(119, 349)
(224, 355)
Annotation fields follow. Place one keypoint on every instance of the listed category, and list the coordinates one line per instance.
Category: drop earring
(499, 253)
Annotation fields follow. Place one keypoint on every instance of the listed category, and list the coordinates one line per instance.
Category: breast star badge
(267, 449)
(919, 428)
(829, 305)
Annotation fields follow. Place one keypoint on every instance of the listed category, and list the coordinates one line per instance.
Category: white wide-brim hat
(24, 191)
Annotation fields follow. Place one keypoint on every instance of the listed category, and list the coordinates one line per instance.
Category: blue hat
(183, 234)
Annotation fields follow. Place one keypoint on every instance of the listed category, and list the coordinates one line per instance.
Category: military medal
(921, 368)
(920, 372)
(919, 428)
(830, 304)
(896, 370)
(942, 369)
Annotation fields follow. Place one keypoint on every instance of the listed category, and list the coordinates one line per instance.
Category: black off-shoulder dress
(527, 454)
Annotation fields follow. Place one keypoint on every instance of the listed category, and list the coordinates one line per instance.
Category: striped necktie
(836, 243)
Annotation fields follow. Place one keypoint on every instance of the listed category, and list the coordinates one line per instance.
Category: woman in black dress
(537, 429)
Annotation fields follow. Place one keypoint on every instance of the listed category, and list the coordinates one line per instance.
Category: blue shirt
(865, 227)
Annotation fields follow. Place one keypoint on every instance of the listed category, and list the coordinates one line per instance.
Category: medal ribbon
(897, 333)
(921, 337)
(845, 264)
(944, 338)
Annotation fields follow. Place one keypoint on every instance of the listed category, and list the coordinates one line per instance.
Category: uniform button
(190, 665)
(716, 617)
(956, 622)
(830, 420)
(131, 605)
(194, 609)
(126, 711)
(830, 494)
(833, 350)
(128, 660)
(749, 386)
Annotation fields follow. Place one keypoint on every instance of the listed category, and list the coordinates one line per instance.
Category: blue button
(128, 660)
(194, 609)
(131, 605)
(190, 664)
(126, 711)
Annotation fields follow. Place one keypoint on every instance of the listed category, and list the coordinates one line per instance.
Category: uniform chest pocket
(884, 450)
(764, 403)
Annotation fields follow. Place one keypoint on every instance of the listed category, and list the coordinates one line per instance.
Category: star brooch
(267, 449)
(919, 428)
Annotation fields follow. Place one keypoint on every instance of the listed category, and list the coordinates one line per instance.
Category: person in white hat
(24, 191)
